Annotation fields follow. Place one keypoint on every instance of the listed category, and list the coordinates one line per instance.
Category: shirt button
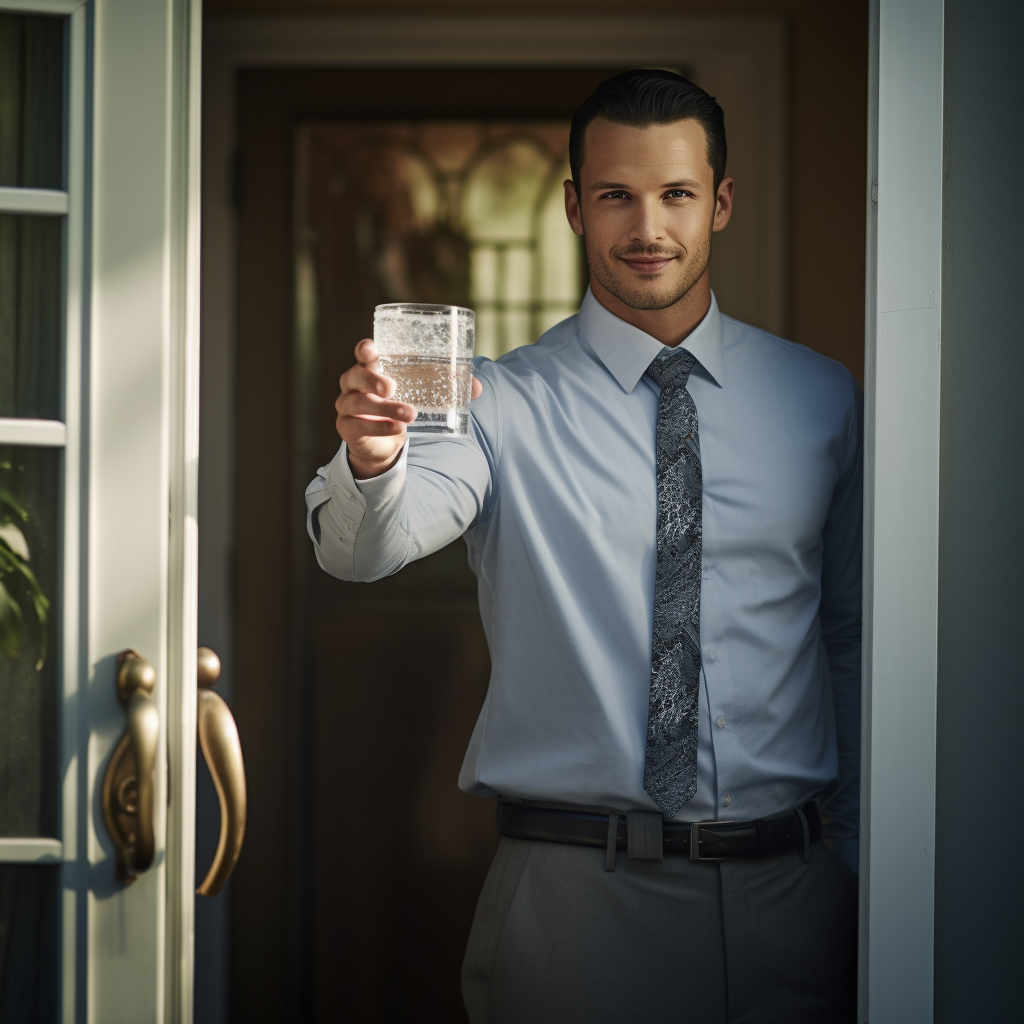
(720, 722)
(712, 655)
(726, 800)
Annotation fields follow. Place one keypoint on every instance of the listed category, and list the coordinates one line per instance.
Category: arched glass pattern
(463, 212)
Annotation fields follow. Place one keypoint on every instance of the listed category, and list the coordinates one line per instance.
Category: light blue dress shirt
(555, 494)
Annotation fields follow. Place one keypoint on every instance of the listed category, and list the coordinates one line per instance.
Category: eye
(615, 195)
(678, 193)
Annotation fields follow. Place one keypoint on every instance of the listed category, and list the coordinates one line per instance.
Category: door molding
(901, 504)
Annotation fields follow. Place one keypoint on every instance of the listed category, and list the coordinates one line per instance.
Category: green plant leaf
(19, 587)
(11, 564)
(10, 623)
(15, 540)
(8, 499)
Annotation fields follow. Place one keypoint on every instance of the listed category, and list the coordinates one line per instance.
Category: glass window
(29, 941)
(31, 311)
(31, 101)
(29, 522)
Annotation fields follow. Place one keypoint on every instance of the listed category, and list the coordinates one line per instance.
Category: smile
(648, 264)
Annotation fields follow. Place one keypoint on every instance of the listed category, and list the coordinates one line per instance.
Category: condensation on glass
(466, 213)
(32, 90)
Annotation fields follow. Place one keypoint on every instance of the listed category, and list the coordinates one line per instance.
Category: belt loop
(613, 836)
(805, 846)
(763, 837)
(645, 835)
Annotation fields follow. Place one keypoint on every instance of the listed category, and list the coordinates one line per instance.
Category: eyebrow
(602, 186)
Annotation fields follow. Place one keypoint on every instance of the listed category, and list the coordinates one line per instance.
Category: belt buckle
(695, 828)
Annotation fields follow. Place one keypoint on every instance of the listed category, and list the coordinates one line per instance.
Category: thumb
(478, 388)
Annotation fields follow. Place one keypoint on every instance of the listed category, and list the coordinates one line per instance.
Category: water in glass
(428, 351)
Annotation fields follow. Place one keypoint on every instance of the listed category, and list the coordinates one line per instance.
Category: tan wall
(828, 105)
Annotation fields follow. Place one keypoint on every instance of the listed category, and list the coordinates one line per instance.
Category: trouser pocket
(492, 909)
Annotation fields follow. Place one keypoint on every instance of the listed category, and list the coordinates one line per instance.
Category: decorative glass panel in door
(463, 212)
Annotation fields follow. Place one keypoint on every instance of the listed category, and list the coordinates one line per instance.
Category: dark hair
(644, 97)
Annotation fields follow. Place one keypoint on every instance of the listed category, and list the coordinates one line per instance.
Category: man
(663, 509)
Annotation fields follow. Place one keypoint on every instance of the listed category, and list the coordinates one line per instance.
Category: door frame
(901, 505)
(141, 316)
(903, 294)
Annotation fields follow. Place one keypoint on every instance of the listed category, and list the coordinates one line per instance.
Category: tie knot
(672, 371)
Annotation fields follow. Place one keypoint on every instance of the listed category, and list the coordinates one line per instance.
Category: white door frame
(903, 199)
(901, 551)
(142, 512)
(143, 322)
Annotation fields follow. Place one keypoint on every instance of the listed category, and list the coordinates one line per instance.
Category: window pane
(29, 949)
(29, 523)
(31, 101)
(502, 192)
(30, 316)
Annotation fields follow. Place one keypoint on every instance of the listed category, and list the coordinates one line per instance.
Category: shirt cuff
(378, 491)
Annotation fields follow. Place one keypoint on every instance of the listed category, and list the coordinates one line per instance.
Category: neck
(670, 325)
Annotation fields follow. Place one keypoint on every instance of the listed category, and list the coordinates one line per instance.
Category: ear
(723, 204)
(572, 207)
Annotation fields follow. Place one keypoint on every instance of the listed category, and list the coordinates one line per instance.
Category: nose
(648, 228)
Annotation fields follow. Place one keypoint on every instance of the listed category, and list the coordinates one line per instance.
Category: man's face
(646, 209)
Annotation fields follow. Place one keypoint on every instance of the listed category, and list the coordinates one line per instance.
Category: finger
(351, 429)
(356, 403)
(478, 388)
(366, 352)
(362, 378)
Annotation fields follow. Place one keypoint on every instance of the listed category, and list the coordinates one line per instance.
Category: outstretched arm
(383, 501)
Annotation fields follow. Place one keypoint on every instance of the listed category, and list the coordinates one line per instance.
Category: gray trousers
(557, 939)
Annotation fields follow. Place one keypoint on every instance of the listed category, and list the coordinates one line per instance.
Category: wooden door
(363, 859)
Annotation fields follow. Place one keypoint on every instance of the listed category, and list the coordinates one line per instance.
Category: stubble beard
(653, 294)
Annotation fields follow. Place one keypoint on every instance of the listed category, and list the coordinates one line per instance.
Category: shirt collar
(626, 351)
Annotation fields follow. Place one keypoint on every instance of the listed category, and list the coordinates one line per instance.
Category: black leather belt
(705, 840)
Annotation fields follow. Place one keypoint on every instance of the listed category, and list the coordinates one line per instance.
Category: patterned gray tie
(670, 767)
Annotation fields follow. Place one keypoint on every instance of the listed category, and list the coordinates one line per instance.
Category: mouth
(647, 264)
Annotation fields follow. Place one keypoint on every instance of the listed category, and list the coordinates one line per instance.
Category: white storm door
(98, 389)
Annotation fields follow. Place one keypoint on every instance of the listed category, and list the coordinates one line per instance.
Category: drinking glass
(428, 352)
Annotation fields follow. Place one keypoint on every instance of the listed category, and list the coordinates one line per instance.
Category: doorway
(276, 896)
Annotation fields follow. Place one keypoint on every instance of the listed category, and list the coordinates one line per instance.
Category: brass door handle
(218, 736)
(128, 782)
